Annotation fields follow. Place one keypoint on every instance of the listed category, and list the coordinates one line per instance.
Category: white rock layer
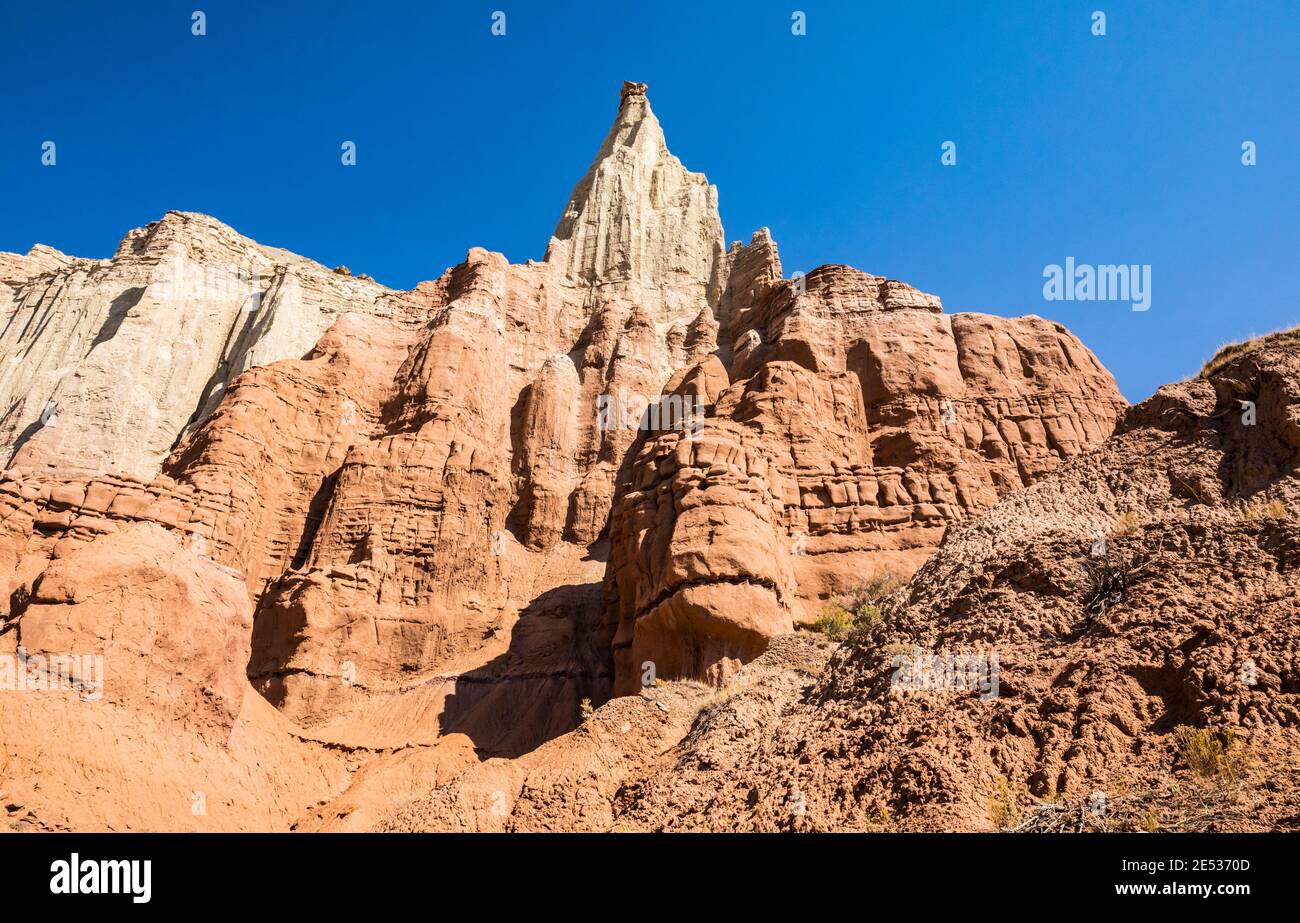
(105, 363)
(640, 222)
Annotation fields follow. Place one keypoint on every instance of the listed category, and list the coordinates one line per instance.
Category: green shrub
(834, 622)
(867, 615)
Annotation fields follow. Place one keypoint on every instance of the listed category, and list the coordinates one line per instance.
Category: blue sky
(1123, 148)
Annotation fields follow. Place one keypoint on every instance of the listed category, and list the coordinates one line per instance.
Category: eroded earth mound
(1113, 648)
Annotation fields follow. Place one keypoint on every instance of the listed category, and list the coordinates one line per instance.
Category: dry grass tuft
(1129, 523)
(1231, 352)
(1263, 511)
(880, 586)
(1214, 755)
(1007, 804)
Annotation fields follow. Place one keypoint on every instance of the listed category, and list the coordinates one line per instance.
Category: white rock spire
(639, 220)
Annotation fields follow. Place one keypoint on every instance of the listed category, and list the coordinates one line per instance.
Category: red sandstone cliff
(430, 538)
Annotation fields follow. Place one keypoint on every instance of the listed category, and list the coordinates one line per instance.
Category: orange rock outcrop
(472, 506)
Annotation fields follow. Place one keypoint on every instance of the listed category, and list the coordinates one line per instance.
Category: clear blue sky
(1122, 148)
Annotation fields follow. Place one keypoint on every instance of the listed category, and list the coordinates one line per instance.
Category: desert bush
(1167, 807)
(1007, 804)
(585, 709)
(879, 818)
(1109, 578)
(881, 585)
(834, 622)
(873, 600)
(867, 616)
(837, 620)
(1210, 754)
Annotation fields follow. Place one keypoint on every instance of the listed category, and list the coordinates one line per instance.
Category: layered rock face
(105, 363)
(477, 504)
(125, 705)
(436, 470)
(639, 222)
(853, 423)
(1050, 668)
(1037, 670)
(460, 511)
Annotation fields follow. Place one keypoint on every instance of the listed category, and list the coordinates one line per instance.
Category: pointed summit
(639, 219)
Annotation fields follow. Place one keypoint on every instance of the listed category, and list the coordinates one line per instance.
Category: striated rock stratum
(105, 364)
(472, 556)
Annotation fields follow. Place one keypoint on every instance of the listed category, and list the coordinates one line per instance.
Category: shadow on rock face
(534, 691)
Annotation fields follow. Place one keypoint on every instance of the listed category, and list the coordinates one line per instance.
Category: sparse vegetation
(837, 621)
(867, 615)
(1213, 756)
(1167, 807)
(585, 709)
(1129, 523)
(1110, 577)
(1230, 352)
(1210, 754)
(862, 609)
(834, 622)
(1007, 804)
(1263, 511)
(710, 705)
(881, 585)
(880, 818)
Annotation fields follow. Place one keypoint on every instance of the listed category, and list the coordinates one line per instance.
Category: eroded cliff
(461, 512)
